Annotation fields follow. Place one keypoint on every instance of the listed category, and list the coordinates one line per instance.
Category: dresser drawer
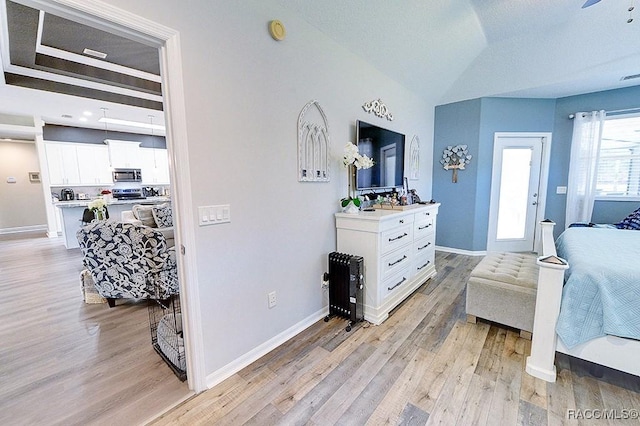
(424, 260)
(423, 228)
(395, 260)
(395, 281)
(423, 244)
(389, 224)
(396, 237)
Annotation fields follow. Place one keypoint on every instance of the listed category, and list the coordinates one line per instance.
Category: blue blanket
(601, 294)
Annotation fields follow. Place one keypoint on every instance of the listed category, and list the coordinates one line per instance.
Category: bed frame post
(540, 363)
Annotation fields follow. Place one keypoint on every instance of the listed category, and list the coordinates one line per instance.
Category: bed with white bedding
(596, 313)
(601, 294)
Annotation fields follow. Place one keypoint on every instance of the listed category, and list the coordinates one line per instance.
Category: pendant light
(106, 133)
(153, 143)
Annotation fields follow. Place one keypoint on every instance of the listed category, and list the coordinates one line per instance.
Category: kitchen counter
(85, 203)
(71, 212)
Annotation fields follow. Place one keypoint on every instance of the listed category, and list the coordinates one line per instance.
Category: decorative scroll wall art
(455, 158)
(313, 144)
(414, 157)
(378, 108)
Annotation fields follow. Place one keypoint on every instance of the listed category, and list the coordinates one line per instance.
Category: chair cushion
(162, 215)
(518, 269)
(144, 214)
(128, 260)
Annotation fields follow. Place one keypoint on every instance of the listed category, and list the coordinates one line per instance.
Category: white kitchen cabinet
(62, 162)
(155, 166)
(93, 164)
(124, 154)
(398, 247)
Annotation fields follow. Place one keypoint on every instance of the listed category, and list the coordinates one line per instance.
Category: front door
(516, 190)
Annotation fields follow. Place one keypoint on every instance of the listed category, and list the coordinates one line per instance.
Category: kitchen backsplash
(90, 192)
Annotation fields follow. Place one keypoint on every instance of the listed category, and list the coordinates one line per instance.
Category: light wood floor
(66, 362)
(424, 365)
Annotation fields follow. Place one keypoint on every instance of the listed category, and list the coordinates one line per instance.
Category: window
(619, 158)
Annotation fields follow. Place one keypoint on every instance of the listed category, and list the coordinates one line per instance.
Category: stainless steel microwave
(127, 175)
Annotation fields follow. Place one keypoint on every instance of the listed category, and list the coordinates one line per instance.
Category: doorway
(518, 188)
(166, 40)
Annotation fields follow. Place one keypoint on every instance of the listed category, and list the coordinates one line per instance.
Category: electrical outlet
(272, 299)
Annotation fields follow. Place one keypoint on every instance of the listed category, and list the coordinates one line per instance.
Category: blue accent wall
(463, 220)
(456, 124)
(465, 205)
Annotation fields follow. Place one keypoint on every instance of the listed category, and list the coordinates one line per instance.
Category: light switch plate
(213, 215)
(561, 189)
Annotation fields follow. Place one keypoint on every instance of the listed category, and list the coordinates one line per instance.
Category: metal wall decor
(455, 158)
(414, 158)
(378, 108)
(313, 144)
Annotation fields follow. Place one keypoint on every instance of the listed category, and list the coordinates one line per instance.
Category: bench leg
(471, 319)
(525, 334)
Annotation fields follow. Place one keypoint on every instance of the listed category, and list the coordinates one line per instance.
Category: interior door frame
(110, 18)
(546, 138)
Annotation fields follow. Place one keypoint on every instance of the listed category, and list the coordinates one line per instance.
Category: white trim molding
(233, 367)
(22, 229)
(461, 251)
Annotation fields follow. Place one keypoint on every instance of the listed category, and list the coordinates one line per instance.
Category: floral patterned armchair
(128, 260)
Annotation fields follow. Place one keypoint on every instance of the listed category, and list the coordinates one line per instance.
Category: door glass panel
(514, 193)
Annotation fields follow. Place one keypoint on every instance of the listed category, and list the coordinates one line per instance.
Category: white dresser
(398, 249)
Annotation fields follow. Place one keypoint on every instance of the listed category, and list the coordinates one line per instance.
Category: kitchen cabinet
(124, 154)
(93, 164)
(78, 164)
(398, 247)
(155, 166)
(62, 162)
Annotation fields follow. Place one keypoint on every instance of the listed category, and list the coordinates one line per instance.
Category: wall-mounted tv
(386, 147)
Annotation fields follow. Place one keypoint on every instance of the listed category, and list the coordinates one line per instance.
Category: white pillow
(144, 214)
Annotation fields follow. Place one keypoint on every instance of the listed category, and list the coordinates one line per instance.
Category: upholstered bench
(502, 288)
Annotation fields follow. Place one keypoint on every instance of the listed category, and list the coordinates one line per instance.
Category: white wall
(244, 92)
(22, 202)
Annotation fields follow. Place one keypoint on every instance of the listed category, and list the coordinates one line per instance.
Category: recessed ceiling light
(82, 119)
(87, 113)
(94, 53)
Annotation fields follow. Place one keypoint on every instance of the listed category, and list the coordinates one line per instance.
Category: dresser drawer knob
(420, 228)
(401, 221)
(425, 246)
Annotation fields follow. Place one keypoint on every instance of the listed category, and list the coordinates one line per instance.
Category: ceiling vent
(630, 77)
(94, 53)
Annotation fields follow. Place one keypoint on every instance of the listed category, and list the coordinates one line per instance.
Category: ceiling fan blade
(590, 3)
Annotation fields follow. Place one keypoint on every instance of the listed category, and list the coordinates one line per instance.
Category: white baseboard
(253, 355)
(21, 229)
(460, 251)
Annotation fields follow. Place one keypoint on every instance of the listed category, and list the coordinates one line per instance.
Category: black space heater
(346, 284)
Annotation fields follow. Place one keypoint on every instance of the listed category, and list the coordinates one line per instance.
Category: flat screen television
(386, 147)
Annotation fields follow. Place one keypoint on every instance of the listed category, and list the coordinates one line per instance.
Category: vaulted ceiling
(444, 51)
(464, 49)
